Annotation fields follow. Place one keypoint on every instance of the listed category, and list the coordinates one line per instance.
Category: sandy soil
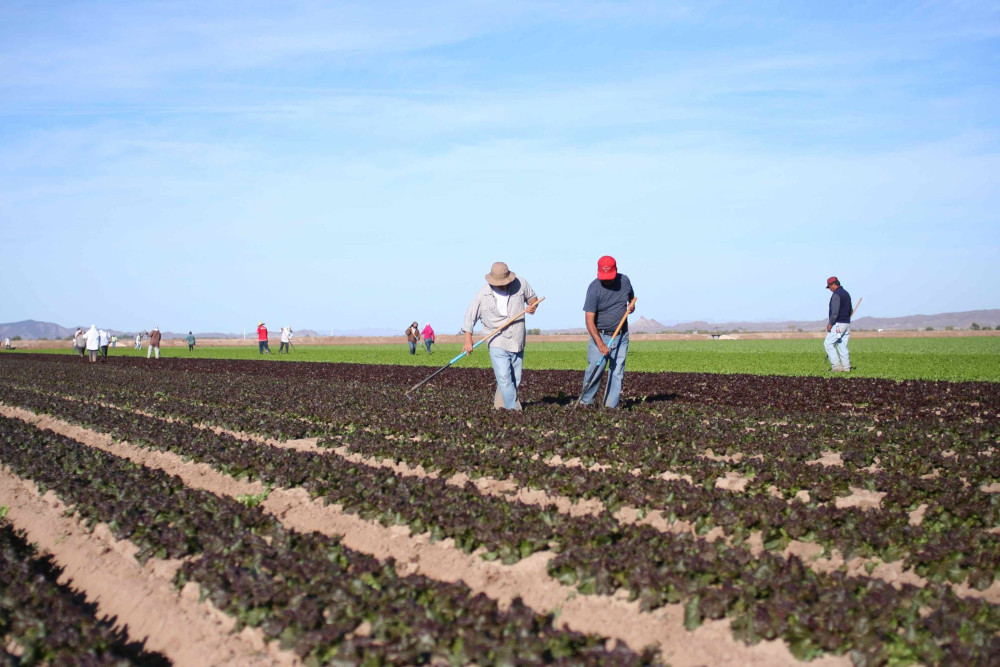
(509, 490)
(611, 616)
(142, 598)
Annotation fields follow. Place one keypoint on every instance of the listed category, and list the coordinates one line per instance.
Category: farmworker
(262, 338)
(607, 300)
(93, 342)
(413, 337)
(286, 340)
(503, 295)
(80, 342)
(114, 341)
(190, 340)
(6, 343)
(154, 342)
(838, 327)
(104, 341)
(138, 341)
(428, 335)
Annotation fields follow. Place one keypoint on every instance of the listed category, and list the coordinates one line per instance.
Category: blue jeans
(262, 345)
(507, 369)
(595, 369)
(836, 343)
(428, 344)
(413, 347)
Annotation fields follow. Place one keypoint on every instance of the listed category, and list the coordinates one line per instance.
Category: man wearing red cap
(607, 300)
(838, 327)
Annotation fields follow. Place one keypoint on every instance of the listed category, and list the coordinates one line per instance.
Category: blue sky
(342, 166)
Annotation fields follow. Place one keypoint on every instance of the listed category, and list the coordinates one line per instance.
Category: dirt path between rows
(810, 552)
(611, 616)
(142, 599)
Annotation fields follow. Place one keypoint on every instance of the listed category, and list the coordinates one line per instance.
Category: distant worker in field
(93, 342)
(413, 337)
(838, 327)
(262, 338)
(428, 335)
(6, 343)
(80, 342)
(154, 342)
(609, 298)
(105, 340)
(190, 341)
(138, 341)
(114, 341)
(503, 296)
(286, 340)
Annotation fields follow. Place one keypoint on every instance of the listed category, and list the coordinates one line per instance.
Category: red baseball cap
(831, 280)
(607, 268)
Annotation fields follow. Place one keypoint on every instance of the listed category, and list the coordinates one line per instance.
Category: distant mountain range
(986, 319)
(33, 330)
(964, 320)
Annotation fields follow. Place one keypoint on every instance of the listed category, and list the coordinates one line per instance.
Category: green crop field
(955, 359)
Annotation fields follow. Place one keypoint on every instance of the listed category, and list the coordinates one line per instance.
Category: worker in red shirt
(262, 338)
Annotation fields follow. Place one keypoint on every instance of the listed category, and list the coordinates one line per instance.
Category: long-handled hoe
(484, 340)
(599, 369)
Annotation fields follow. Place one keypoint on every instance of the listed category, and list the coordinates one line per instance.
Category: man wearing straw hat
(608, 299)
(504, 295)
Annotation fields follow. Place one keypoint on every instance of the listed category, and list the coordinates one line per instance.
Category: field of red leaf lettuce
(843, 516)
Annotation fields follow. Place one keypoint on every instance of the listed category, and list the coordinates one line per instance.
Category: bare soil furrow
(610, 616)
(809, 552)
(142, 598)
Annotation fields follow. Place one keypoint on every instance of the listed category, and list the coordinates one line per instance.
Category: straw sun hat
(500, 275)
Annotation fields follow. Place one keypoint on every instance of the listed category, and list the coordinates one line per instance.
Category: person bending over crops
(504, 295)
(608, 299)
(838, 327)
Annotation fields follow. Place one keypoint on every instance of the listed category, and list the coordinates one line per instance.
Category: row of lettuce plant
(910, 473)
(948, 546)
(885, 399)
(316, 596)
(44, 622)
(946, 447)
(598, 554)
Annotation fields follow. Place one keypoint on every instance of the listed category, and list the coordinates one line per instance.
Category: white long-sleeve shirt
(93, 339)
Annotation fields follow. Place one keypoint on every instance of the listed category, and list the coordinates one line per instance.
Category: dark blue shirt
(840, 306)
(608, 300)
